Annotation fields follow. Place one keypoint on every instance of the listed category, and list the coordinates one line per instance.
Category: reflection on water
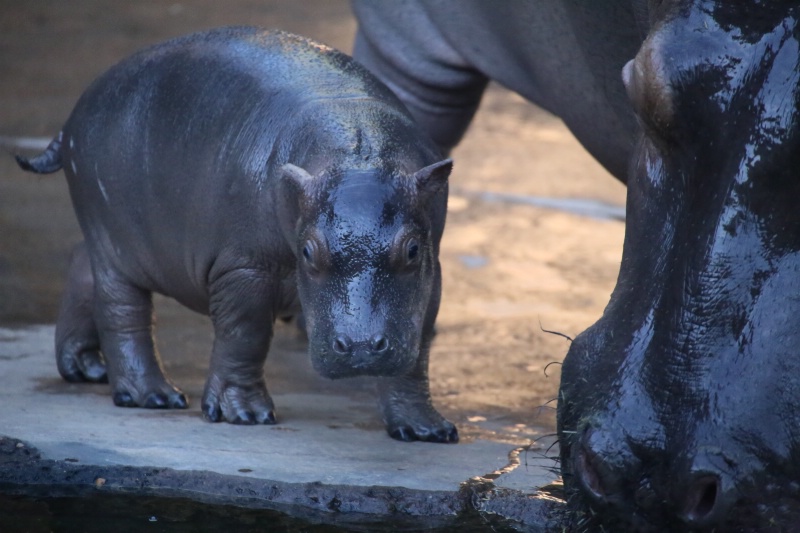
(103, 512)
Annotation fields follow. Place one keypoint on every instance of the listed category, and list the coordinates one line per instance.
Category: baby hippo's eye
(310, 255)
(315, 256)
(412, 250)
(406, 252)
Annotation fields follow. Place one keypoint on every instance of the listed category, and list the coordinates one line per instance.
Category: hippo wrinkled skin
(247, 173)
(679, 410)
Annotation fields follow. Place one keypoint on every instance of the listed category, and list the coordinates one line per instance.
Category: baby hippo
(248, 174)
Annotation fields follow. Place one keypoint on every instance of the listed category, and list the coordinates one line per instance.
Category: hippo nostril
(342, 345)
(379, 344)
(605, 467)
(703, 500)
(588, 475)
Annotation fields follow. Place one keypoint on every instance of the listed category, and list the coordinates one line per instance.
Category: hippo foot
(165, 396)
(444, 433)
(238, 404)
(409, 422)
(409, 414)
(80, 365)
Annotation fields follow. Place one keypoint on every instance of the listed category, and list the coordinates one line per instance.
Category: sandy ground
(508, 268)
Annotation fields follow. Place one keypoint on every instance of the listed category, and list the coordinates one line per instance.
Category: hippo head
(680, 408)
(367, 248)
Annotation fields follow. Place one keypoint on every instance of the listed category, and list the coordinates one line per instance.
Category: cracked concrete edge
(513, 463)
(24, 472)
(539, 510)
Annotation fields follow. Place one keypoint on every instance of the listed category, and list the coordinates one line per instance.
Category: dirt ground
(507, 268)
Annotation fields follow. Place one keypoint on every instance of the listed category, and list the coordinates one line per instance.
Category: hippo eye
(309, 254)
(412, 250)
(406, 252)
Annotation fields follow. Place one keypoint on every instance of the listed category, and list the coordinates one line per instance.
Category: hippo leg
(241, 310)
(405, 401)
(77, 340)
(123, 314)
(408, 411)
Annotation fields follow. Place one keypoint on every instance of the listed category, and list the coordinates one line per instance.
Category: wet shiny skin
(368, 267)
(679, 407)
(206, 168)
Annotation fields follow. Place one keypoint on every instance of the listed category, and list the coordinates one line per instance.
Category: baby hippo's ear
(294, 188)
(298, 175)
(433, 178)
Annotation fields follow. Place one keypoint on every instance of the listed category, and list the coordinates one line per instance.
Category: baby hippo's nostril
(379, 344)
(342, 345)
(704, 503)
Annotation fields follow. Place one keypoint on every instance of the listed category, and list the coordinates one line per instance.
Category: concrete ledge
(329, 455)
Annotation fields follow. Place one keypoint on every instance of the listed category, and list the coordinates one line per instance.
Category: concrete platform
(329, 453)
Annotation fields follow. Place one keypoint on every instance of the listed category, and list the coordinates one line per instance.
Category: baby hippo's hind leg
(123, 314)
(77, 341)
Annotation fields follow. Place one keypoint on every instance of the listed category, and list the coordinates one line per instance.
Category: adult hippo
(680, 408)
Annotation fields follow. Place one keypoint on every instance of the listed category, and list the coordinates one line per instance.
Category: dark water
(119, 513)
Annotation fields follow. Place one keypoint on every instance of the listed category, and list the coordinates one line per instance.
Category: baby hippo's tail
(46, 162)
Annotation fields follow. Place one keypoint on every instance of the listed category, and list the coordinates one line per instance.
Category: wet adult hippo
(244, 173)
(679, 410)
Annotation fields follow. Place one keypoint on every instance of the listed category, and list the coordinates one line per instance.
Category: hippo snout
(376, 345)
(347, 354)
(372, 355)
(698, 493)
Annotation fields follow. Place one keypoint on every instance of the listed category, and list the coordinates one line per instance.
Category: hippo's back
(227, 76)
(169, 151)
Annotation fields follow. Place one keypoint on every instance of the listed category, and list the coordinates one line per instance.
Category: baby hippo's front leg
(408, 411)
(241, 310)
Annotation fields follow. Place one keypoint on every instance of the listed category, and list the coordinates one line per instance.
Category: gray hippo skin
(244, 173)
(679, 410)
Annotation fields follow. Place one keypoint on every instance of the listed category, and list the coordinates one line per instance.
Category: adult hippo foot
(163, 395)
(409, 414)
(237, 404)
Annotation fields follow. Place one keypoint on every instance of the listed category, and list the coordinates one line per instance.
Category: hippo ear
(433, 178)
(294, 188)
(297, 174)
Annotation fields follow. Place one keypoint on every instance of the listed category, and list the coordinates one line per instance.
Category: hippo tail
(46, 162)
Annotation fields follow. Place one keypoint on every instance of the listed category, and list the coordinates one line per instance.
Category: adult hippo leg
(405, 401)
(242, 315)
(440, 89)
(123, 313)
(77, 340)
